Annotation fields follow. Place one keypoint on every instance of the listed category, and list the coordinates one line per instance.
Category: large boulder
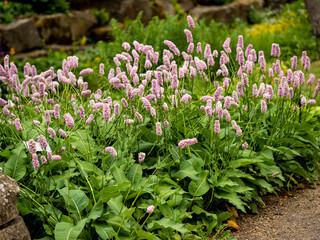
(21, 35)
(226, 13)
(187, 5)
(80, 23)
(9, 193)
(54, 28)
(15, 230)
(131, 8)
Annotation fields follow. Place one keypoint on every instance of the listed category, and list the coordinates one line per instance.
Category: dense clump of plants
(291, 29)
(171, 141)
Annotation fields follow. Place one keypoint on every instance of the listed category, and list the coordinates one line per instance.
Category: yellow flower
(12, 51)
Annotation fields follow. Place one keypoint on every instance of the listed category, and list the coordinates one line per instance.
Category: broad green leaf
(116, 222)
(295, 167)
(115, 205)
(76, 200)
(119, 175)
(16, 166)
(266, 154)
(105, 231)
(90, 168)
(168, 223)
(149, 135)
(231, 198)
(146, 235)
(224, 181)
(96, 211)
(186, 170)
(244, 162)
(113, 191)
(84, 143)
(263, 183)
(236, 173)
(268, 170)
(135, 175)
(67, 231)
(199, 187)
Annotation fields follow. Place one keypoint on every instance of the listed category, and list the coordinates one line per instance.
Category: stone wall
(12, 226)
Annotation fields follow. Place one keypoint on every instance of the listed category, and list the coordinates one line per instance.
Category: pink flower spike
(187, 142)
(111, 150)
(86, 71)
(18, 124)
(141, 157)
(35, 161)
(190, 22)
(43, 160)
(217, 126)
(89, 120)
(42, 141)
(62, 133)
(158, 129)
(189, 36)
(69, 120)
(263, 106)
(32, 146)
(245, 145)
(101, 69)
(56, 158)
(150, 209)
(51, 132)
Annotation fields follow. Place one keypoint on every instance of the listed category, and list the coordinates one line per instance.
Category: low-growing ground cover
(169, 148)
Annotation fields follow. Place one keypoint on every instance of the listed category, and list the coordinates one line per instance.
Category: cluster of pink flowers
(111, 150)
(187, 142)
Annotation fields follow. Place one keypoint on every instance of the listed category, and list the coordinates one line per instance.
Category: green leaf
(16, 166)
(186, 170)
(224, 181)
(244, 162)
(90, 168)
(96, 211)
(146, 235)
(135, 175)
(105, 231)
(238, 174)
(113, 191)
(199, 187)
(83, 142)
(295, 167)
(76, 201)
(67, 231)
(231, 198)
(168, 223)
(149, 135)
(116, 204)
(263, 183)
(266, 154)
(119, 175)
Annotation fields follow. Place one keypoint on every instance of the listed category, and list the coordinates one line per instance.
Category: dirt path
(293, 217)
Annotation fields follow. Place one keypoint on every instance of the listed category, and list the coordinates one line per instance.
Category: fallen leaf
(233, 224)
(233, 210)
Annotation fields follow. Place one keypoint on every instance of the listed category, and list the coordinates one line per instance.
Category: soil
(289, 216)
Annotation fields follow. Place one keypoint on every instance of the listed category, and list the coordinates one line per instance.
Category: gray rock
(162, 7)
(102, 33)
(21, 35)
(80, 23)
(131, 8)
(226, 13)
(15, 230)
(187, 5)
(9, 192)
(54, 28)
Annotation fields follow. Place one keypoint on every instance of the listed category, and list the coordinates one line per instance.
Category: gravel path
(293, 217)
